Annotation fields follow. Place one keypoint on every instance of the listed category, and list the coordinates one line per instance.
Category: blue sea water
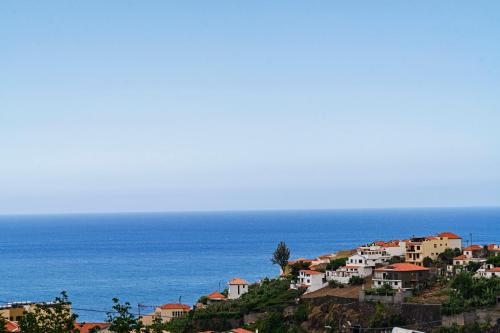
(156, 258)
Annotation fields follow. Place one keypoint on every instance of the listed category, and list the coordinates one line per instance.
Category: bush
(336, 263)
(356, 280)
(335, 284)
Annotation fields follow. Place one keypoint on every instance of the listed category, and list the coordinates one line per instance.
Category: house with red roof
(215, 297)
(474, 251)
(312, 280)
(402, 276)
(237, 287)
(493, 249)
(454, 241)
(166, 312)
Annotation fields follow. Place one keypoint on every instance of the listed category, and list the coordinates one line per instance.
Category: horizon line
(215, 211)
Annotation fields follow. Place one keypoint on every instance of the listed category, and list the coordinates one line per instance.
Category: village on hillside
(418, 283)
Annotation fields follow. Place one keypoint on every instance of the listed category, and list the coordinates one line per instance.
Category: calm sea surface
(157, 258)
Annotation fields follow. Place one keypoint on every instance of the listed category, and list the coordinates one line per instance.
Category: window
(396, 283)
(360, 261)
(435, 246)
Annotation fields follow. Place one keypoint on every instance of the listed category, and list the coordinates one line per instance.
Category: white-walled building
(237, 287)
(369, 256)
(344, 273)
(312, 280)
(488, 271)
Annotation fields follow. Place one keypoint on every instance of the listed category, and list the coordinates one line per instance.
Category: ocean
(157, 258)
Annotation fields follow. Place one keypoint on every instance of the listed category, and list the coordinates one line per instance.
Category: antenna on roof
(470, 234)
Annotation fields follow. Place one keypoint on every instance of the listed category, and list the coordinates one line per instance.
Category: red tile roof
(304, 260)
(308, 271)
(494, 270)
(86, 327)
(460, 257)
(12, 327)
(493, 247)
(216, 295)
(238, 281)
(402, 267)
(473, 248)
(175, 306)
(240, 330)
(449, 235)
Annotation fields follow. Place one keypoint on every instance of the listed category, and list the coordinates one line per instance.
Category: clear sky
(163, 105)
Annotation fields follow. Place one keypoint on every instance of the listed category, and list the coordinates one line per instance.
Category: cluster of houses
(13, 312)
(397, 263)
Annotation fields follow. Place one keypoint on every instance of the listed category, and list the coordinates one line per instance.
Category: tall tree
(122, 320)
(281, 256)
(55, 317)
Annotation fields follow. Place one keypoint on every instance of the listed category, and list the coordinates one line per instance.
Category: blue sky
(201, 105)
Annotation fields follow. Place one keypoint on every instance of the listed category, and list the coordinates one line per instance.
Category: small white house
(344, 273)
(373, 255)
(312, 280)
(237, 287)
(488, 271)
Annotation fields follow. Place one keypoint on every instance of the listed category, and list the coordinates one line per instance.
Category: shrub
(356, 280)
(335, 284)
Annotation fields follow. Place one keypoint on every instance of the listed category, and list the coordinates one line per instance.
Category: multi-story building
(454, 241)
(15, 311)
(402, 276)
(418, 248)
(312, 280)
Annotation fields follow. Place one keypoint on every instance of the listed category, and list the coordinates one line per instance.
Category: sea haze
(156, 258)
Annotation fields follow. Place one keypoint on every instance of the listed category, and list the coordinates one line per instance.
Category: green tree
(121, 319)
(54, 317)
(447, 256)
(336, 263)
(3, 325)
(427, 262)
(158, 326)
(281, 255)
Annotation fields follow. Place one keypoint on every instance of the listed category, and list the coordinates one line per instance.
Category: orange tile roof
(175, 306)
(240, 330)
(449, 235)
(12, 327)
(473, 248)
(308, 271)
(304, 260)
(431, 238)
(460, 257)
(493, 247)
(86, 327)
(216, 295)
(314, 267)
(237, 281)
(494, 270)
(402, 267)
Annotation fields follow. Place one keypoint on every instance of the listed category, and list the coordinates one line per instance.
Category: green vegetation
(384, 318)
(50, 318)
(493, 260)
(336, 263)
(295, 268)
(281, 256)
(335, 284)
(447, 256)
(3, 324)
(470, 292)
(385, 290)
(356, 281)
(269, 296)
(121, 319)
(469, 328)
(428, 262)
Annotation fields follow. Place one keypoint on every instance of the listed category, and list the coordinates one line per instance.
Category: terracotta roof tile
(216, 295)
(238, 281)
(402, 267)
(240, 330)
(175, 306)
(449, 235)
(86, 327)
(308, 271)
(473, 248)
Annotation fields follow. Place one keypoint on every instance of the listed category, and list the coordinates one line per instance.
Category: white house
(312, 280)
(237, 287)
(344, 273)
(369, 256)
(394, 248)
(488, 271)
(494, 249)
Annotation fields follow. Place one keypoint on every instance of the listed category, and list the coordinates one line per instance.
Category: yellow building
(418, 248)
(15, 311)
(166, 312)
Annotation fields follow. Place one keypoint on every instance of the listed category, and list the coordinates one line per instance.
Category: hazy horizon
(224, 106)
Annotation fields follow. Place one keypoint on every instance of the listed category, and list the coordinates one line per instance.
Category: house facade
(312, 280)
(402, 276)
(418, 248)
(168, 311)
(454, 240)
(344, 273)
(237, 287)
